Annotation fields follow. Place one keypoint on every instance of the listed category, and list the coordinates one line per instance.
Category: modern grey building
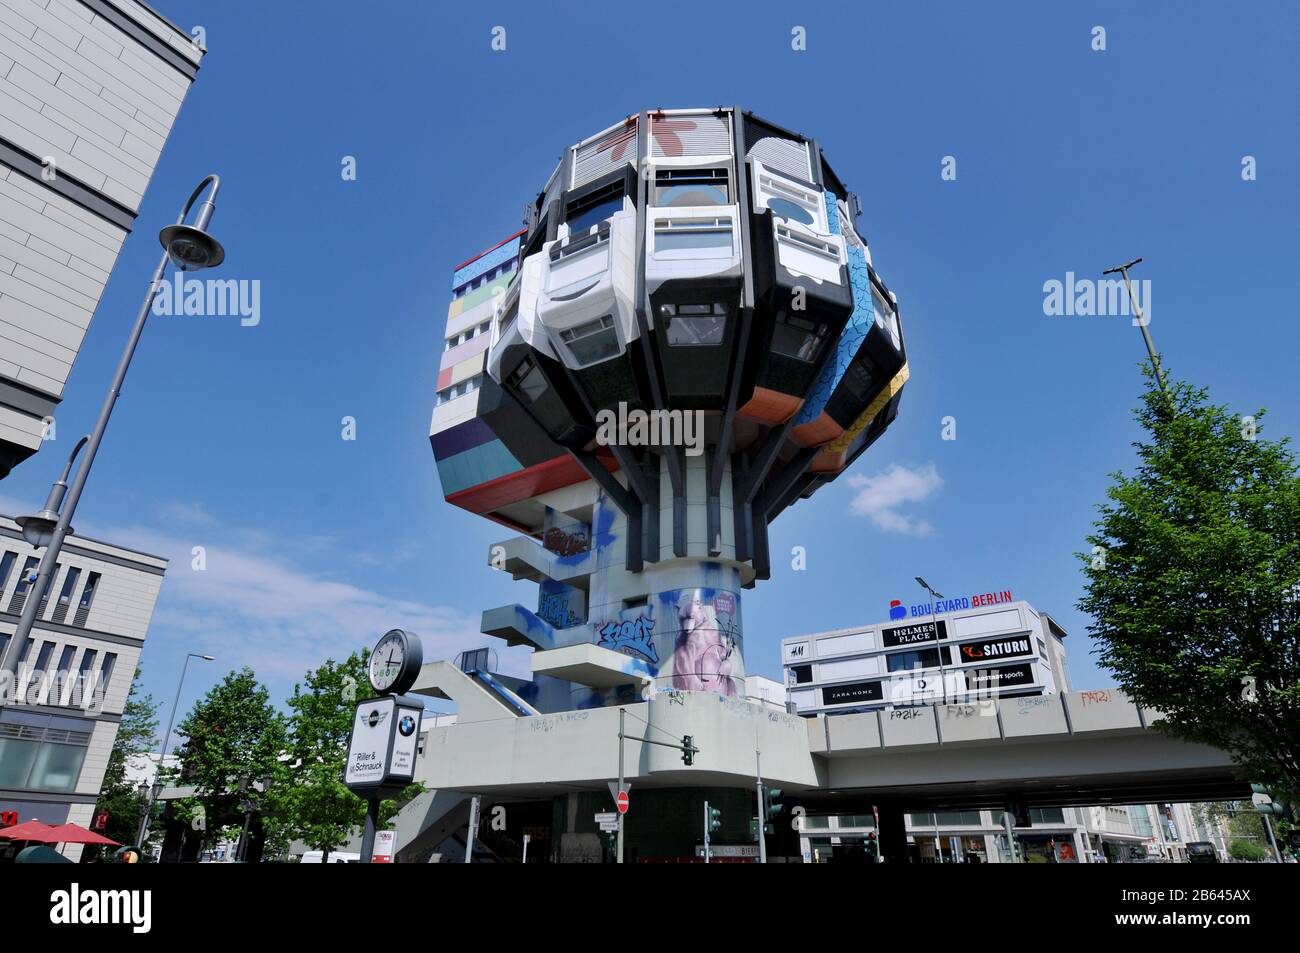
(89, 90)
(59, 720)
(983, 646)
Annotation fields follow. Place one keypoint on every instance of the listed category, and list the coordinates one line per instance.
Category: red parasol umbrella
(29, 830)
(76, 834)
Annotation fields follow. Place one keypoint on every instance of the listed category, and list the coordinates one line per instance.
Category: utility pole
(619, 851)
(687, 748)
(473, 828)
(706, 832)
(1011, 836)
(1140, 320)
(762, 808)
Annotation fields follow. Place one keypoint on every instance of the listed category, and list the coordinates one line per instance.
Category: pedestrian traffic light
(715, 820)
(688, 750)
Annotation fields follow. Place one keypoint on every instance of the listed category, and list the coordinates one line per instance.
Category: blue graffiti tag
(634, 636)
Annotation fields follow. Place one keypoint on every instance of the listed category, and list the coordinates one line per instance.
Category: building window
(65, 594)
(83, 671)
(860, 376)
(691, 187)
(64, 672)
(905, 661)
(594, 208)
(693, 235)
(948, 819)
(797, 338)
(43, 658)
(20, 591)
(45, 596)
(42, 752)
(6, 567)
(87, 597)
(1046, 815)
(527, 381)
(106, 670)
(592, 342)
(784, 208)
(691, 325)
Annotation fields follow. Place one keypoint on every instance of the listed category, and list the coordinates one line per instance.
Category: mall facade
(1115, 834)
(985, 646)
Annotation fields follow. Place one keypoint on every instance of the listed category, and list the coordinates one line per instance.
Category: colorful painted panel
(855, 331)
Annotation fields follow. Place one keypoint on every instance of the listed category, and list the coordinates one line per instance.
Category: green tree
(308, 800)
(1241, 849)
(234, 734)
(1194, 581)
(137, 734)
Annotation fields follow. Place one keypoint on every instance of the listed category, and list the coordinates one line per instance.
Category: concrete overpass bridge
(1072, 749)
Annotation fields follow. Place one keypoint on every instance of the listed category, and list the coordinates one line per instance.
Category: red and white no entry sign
(621, 802)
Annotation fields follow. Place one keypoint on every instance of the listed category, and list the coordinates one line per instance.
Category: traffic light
(873, 845)
(715, 820)
(1265, 803)
(688, 750)
(771, 807)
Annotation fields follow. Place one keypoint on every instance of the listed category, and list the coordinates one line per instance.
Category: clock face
(387, 661)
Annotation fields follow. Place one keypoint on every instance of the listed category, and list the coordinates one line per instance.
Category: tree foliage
(1194, 581)
(136, 735)
(233, 734)
(309, 801)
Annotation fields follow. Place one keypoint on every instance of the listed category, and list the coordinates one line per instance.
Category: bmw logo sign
(406, 726)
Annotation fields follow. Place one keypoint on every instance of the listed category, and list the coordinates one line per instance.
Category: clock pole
(372, 825)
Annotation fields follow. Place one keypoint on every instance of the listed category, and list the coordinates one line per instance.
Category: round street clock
(395, 662)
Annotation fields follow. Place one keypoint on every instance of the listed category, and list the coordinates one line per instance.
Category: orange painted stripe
(525, 484)
(817, 432)
(770, 406)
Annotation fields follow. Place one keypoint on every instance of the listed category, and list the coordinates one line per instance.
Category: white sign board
(406, 739)
(385, 841)
(610, 817)
(372, 727)
(383, 745)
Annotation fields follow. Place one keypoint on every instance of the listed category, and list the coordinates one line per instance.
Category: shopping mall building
(993, 645)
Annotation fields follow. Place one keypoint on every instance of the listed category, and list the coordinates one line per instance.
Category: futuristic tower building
(687, 337)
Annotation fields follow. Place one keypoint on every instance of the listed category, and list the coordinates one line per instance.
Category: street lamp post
(934, 621)
(157, 787)
(1142, 321)
(190, 248)
(943, 687)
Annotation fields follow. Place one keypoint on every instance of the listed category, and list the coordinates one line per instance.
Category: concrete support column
(893, 833)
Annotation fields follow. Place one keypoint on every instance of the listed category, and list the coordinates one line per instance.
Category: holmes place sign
(916, 634)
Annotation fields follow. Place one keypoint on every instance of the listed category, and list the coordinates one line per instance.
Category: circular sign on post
(621, 802)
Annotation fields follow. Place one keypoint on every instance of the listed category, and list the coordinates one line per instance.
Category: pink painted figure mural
(701, 656)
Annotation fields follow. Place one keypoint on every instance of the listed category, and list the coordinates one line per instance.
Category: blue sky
(1068, 159)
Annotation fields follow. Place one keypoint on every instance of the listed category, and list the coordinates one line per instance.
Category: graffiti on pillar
(560, 605)
(631, 637)
(707, 641)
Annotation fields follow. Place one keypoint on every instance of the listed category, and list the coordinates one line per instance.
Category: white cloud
(255, 604)
(881, 497)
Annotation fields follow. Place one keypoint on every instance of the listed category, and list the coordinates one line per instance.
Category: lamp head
(38, 529)
(191, 248)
